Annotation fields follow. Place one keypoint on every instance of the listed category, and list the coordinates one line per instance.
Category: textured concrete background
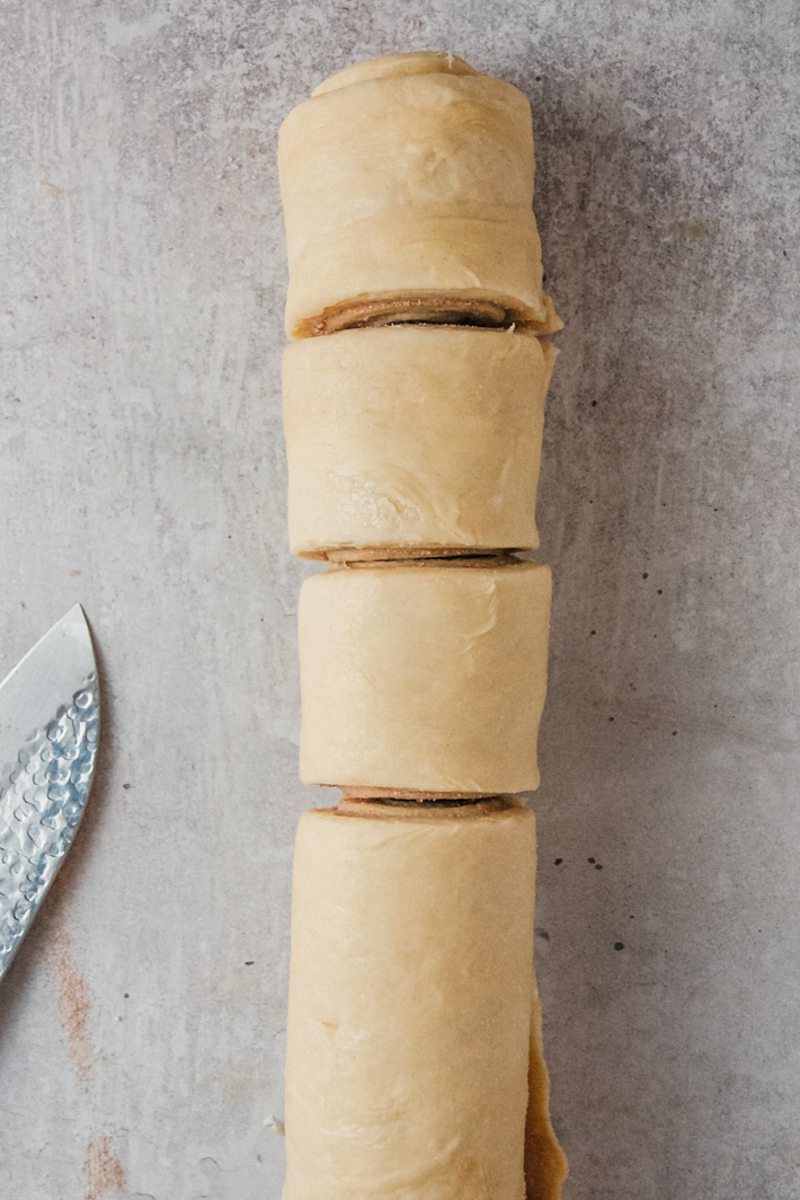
(141, 472)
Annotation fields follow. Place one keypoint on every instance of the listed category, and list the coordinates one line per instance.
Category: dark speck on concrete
(598, 866)
(126, 995)
(644, 575)
(619, 945)
(592, 860)
(126, 787)
(659, 591)
(611, 718)
(592, 632)
(558, 862)
(248, 962)
(674, 733)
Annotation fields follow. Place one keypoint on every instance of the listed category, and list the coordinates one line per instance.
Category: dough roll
(407, 185)
(410, 1004)
(416, 438)
(425, 678)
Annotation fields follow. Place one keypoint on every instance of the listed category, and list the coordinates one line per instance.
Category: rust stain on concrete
(52, 189)
(74, 1005)
(102, 1170)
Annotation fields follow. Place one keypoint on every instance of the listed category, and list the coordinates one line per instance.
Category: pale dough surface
(410, 1004)
(419, 62)
(424, 676)
(417, 437)
(398, 183)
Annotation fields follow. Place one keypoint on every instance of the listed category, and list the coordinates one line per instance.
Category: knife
(49, 729)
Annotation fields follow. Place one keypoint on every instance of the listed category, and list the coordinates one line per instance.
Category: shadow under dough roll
(410, 1006)
(424, 678)
(407, 185)
(423, 437)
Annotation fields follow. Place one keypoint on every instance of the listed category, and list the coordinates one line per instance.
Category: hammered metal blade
(49, 729)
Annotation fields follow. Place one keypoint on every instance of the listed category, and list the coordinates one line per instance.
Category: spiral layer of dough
(411, 1004)
(409, 179)
(425, 678)
(420, 438)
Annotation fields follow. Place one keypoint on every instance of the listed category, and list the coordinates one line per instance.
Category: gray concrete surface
(141, 472)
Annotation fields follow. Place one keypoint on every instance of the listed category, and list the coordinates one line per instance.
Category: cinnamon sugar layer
(436, 308)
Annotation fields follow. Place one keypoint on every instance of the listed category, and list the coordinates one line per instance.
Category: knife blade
(49, 731)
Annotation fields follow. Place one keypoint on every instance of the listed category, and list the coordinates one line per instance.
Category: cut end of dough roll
(408, 795)
(435, 808)
(424, 679)
(407, 186)
(430, 308)
(426, 1081)
(419, 62)
(418, 441)
(356, 554)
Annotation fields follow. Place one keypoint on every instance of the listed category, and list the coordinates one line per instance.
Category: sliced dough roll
(410, 1005)
(407, 185)
(424, 678)
(420, 438)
